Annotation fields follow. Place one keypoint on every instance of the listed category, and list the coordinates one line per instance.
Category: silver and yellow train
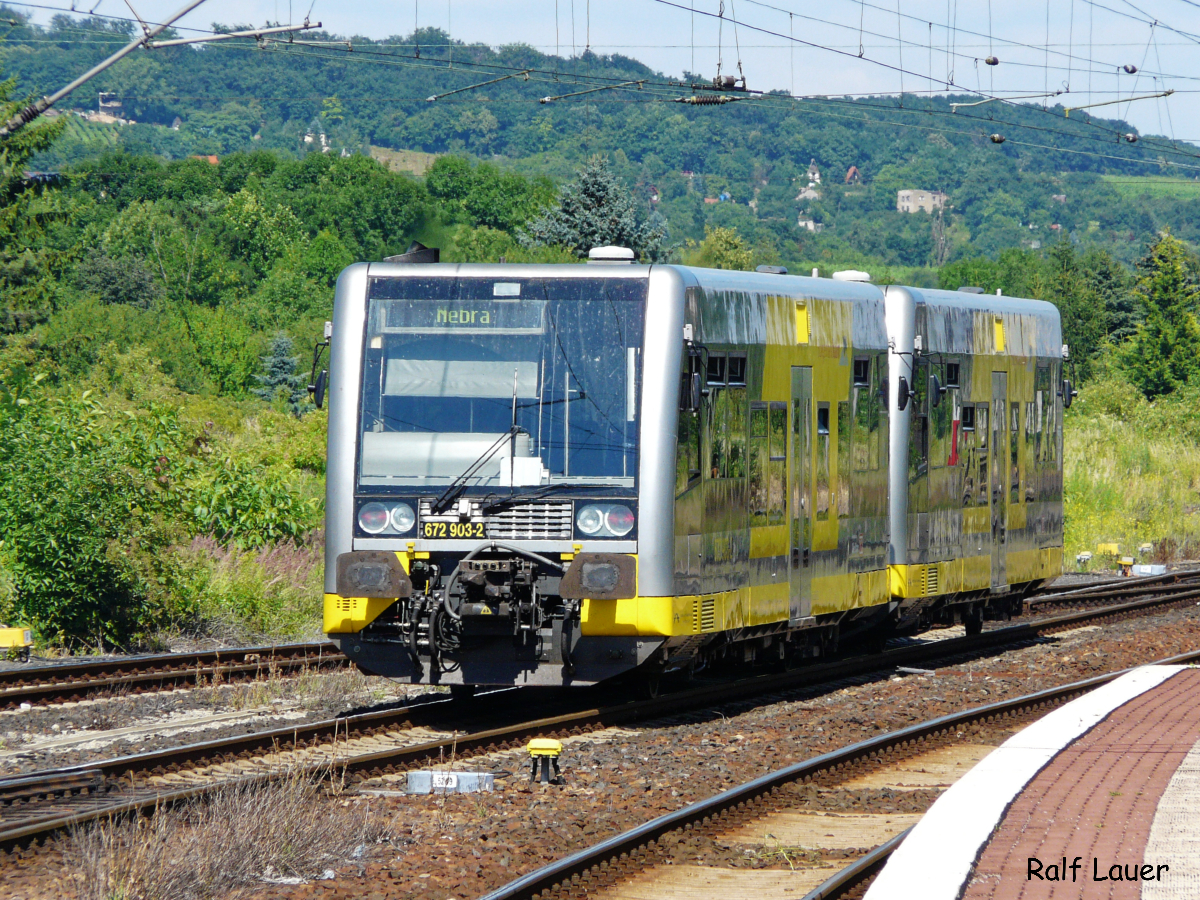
(559, 474)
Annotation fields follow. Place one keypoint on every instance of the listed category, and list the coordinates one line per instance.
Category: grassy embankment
(1132, 473)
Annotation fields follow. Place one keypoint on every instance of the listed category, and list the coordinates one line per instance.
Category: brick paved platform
(1099, 799)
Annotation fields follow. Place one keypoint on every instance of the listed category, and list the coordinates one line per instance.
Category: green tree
(325, 257)
(595, 210)
(279, 379)
(1084, 317)
(117, 281)
(1165, 352)
(722, 248)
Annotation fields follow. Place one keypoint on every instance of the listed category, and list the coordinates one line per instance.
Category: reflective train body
(561, 474)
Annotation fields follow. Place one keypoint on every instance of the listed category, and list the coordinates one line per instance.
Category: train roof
(993, 303)
(972, 324)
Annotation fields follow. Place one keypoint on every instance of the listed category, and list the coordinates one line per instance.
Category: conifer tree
(279, 378)
(1165, 352)
(595, 210)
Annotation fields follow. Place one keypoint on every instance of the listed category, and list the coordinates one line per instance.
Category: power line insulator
(706, 100)
(1129, 69)
(729, 83)
(1131, 138)
(998, 138)
(992, 60)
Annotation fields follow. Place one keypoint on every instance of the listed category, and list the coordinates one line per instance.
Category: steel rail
(1117, 584)
(584, 866)
(362, 766)
(160, 671)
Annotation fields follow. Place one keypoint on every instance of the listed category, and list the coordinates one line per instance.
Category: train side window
(918, 439)
(967, 453)
(863, 417)
(879, 407)
(777, 463)
(736, 368)
(1031, 447)
(718, 433)
(716, 368)
(940, 418)
(822, 460)
(952, 375)
(737, 431)
(981, 453)
(862, 372)
(1015, 450)
(845, 444)
(687, 455)
(758, 463)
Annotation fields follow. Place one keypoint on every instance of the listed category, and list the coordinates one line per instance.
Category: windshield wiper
(459, 484)
(491, 505)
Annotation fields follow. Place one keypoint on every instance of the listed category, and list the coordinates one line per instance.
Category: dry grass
(327, 692)
(223, 846)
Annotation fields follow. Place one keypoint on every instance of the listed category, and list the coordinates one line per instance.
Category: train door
(800, 476)
(998, 468)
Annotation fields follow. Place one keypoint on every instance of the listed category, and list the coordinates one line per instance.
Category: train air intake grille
(527, 521)
(532, 521)
(931, 580)
(704, 614)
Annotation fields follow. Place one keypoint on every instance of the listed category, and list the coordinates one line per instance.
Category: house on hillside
(920, 201)
(808, 193)
(814, 174)
(809, 225)
(853, 176)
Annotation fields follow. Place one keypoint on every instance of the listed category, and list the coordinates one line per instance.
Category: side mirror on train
(689, 392)
(317, 389)
(317, 382)
(1068, 393)
(903, 394)
(936, 389)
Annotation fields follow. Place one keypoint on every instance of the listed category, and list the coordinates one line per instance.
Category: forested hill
(1051, 174)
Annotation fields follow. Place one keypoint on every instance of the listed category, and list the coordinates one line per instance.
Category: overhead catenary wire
(932, 112)
(876, 62)
(656, 88)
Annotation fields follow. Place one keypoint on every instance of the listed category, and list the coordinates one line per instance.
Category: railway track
(58, 683)
(650, 861)
(386, 742)
(1050, 600)
(62, 682)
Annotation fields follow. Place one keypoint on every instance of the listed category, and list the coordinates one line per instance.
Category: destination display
(456, 316)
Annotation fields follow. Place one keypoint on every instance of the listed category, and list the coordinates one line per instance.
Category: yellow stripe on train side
(726, 610)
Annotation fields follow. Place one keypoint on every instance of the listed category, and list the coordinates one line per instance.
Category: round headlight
(619, 520)
(590, 519)
(373, 518)
(403, 517)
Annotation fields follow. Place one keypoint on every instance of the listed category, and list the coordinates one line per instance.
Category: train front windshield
(528, 381)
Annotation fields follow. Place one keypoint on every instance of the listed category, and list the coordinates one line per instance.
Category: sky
(839, 47)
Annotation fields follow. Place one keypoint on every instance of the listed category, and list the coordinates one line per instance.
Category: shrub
(249, 505)
(82, 489)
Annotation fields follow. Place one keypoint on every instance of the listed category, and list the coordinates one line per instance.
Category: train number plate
(452, 530)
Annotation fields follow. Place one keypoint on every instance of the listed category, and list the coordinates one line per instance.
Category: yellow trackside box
(17, 640)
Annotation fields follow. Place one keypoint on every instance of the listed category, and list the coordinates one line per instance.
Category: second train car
(561, 474)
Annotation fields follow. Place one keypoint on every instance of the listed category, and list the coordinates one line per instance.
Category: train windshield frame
(523, 382)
